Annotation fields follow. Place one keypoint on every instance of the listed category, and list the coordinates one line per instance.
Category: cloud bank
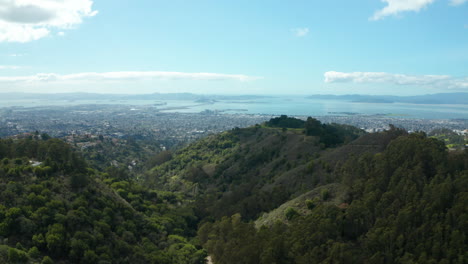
(123, 76)
(432, 81)
(28, 20)
(9, 67)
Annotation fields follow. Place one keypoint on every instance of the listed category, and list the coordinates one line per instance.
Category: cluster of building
(147, 123)
(119, 121)
(376, 123)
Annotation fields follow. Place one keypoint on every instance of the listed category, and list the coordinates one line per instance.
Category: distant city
(172, 128)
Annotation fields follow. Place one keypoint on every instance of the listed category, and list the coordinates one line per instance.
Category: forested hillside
(255, 169)
(54, 208)
(286, 191)
(404, 205)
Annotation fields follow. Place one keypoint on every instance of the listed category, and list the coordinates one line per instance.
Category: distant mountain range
(440, 98)
(154, 96)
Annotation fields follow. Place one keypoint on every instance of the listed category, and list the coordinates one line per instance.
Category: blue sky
(397, 47)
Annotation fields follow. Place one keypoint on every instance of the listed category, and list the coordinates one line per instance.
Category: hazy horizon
(227, 94)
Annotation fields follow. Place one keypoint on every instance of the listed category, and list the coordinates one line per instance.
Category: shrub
(17, 256)
(291, 213)
(325, 194)
(34, 253)
(311, 204)
(47, 260)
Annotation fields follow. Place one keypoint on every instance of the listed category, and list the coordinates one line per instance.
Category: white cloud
(9, 67)
(123, 76)
(433, 81)
(28, 20)
(61, 34)
(17, 54)
(300, 32)
(457, 2)
(395, 7)
(128, 82)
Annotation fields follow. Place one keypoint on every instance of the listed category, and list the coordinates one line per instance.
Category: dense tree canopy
(406, 205)
(55, 208)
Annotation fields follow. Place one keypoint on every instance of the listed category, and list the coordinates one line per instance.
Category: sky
(391, 47)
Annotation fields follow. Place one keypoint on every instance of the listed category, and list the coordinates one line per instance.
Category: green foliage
(39, 240)
(450, 138)
(331, 134)
(238, 237)
(311, 204)
(70, 212)
(285, 122)
(325, 194)
(90, 257)
(45, 136)
(404, 200)
(34, 253)
(133, 155)
(405, 205)
(291, 213)
(236, 163)
(17, 256)
(159, 158)
(78, 180)
(47, 260)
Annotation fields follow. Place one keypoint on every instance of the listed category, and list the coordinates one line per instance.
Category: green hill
(251, 170)
(54, 208)
(315, 193)
(405, 204)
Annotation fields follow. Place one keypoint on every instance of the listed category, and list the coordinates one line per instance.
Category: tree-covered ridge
(54, 208)
(328, 134)
(256, 169)
(53, 155)
(404, 205)
(284, 121)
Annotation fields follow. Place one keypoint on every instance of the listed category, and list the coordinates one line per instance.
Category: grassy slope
(256, 169)
(337, 195)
